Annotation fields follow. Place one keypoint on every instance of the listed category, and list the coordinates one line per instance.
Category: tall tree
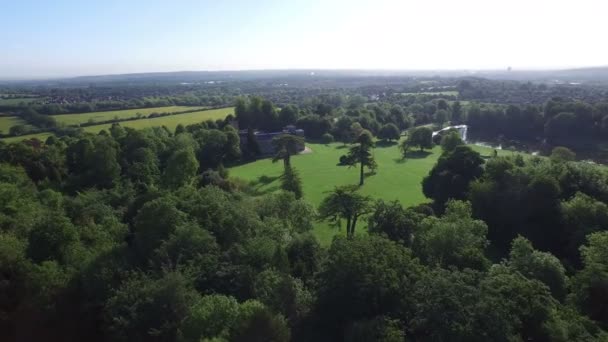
(346, 203)
(286, 145)
(361, 153)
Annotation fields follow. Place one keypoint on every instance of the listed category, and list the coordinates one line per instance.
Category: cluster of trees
(140, 235)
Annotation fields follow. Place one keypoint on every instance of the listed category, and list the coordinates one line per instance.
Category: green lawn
(75, 119)
(395, 179)
(170, 121)
(6, 122)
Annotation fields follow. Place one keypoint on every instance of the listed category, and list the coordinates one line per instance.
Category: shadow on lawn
(384, 143)
(418, 154)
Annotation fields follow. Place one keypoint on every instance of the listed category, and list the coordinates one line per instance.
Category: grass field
(170, 121)
(40, 136)
(6, 122)
(75, 119)
(395, 179)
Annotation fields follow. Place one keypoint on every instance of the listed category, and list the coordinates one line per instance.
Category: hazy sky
(66, 38)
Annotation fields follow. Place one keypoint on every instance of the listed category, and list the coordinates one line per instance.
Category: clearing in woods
(395, 179)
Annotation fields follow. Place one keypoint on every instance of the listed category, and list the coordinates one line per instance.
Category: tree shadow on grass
(256, 191)
(341, 147)
(400, 160)
(385, 143)
(418, 154)
(263, 180)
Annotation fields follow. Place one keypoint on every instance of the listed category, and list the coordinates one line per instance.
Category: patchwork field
(170, 121)
(395, 179)
(442, 93)
(76, 119)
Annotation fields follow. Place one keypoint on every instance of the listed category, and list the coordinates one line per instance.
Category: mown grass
(395, 179)
(80, 118)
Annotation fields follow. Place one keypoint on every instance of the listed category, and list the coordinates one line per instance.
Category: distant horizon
(68, 38)
(381, 70)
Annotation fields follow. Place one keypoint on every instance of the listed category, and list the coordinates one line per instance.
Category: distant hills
(581, 75)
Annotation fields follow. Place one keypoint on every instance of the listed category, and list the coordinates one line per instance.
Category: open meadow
(76, 119)
(170, 121)
(395, 179)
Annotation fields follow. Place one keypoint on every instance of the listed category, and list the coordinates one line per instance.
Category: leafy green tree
(52, 238)
(376, 329)
(590, 285)
(457, 112)
(344, 202)
(286, 145)
(290, 181)
(363, 278)
(450, 140)
(389, 132)
(562, 154)
(212, 316)
(181, 168)
(538, 265)
(455, 239)
(392, 220)
(145, 309)
(451, 176)
(154, 223)
(422, 137)
(361, 153)
(441, 117)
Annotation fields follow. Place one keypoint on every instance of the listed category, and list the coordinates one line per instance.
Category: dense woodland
(142, 235)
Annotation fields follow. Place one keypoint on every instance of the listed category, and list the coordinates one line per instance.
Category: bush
(327, 138)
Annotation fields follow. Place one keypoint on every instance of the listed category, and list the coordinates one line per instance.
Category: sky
(62, 38)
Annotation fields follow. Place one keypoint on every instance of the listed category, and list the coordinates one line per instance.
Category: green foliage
(455, 239)
(361, 153)
(590, 285)
(538, 265)
(421, 137)
(389, 132)
(182, 166)
(562, 154)
(344, 203)
(450, 178)
(450, 141)
(363, 278)
(292, 182)
(396, 223)
(149, 309)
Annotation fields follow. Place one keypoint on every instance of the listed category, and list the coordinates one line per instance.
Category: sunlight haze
(69, 38)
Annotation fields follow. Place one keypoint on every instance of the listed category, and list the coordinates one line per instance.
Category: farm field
(76, 119)
(16, 101)
(6, 122)
(395, 179)
(170, 121)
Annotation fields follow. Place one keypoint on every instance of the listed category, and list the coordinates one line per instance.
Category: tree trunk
(352, 228)
(348, 227)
